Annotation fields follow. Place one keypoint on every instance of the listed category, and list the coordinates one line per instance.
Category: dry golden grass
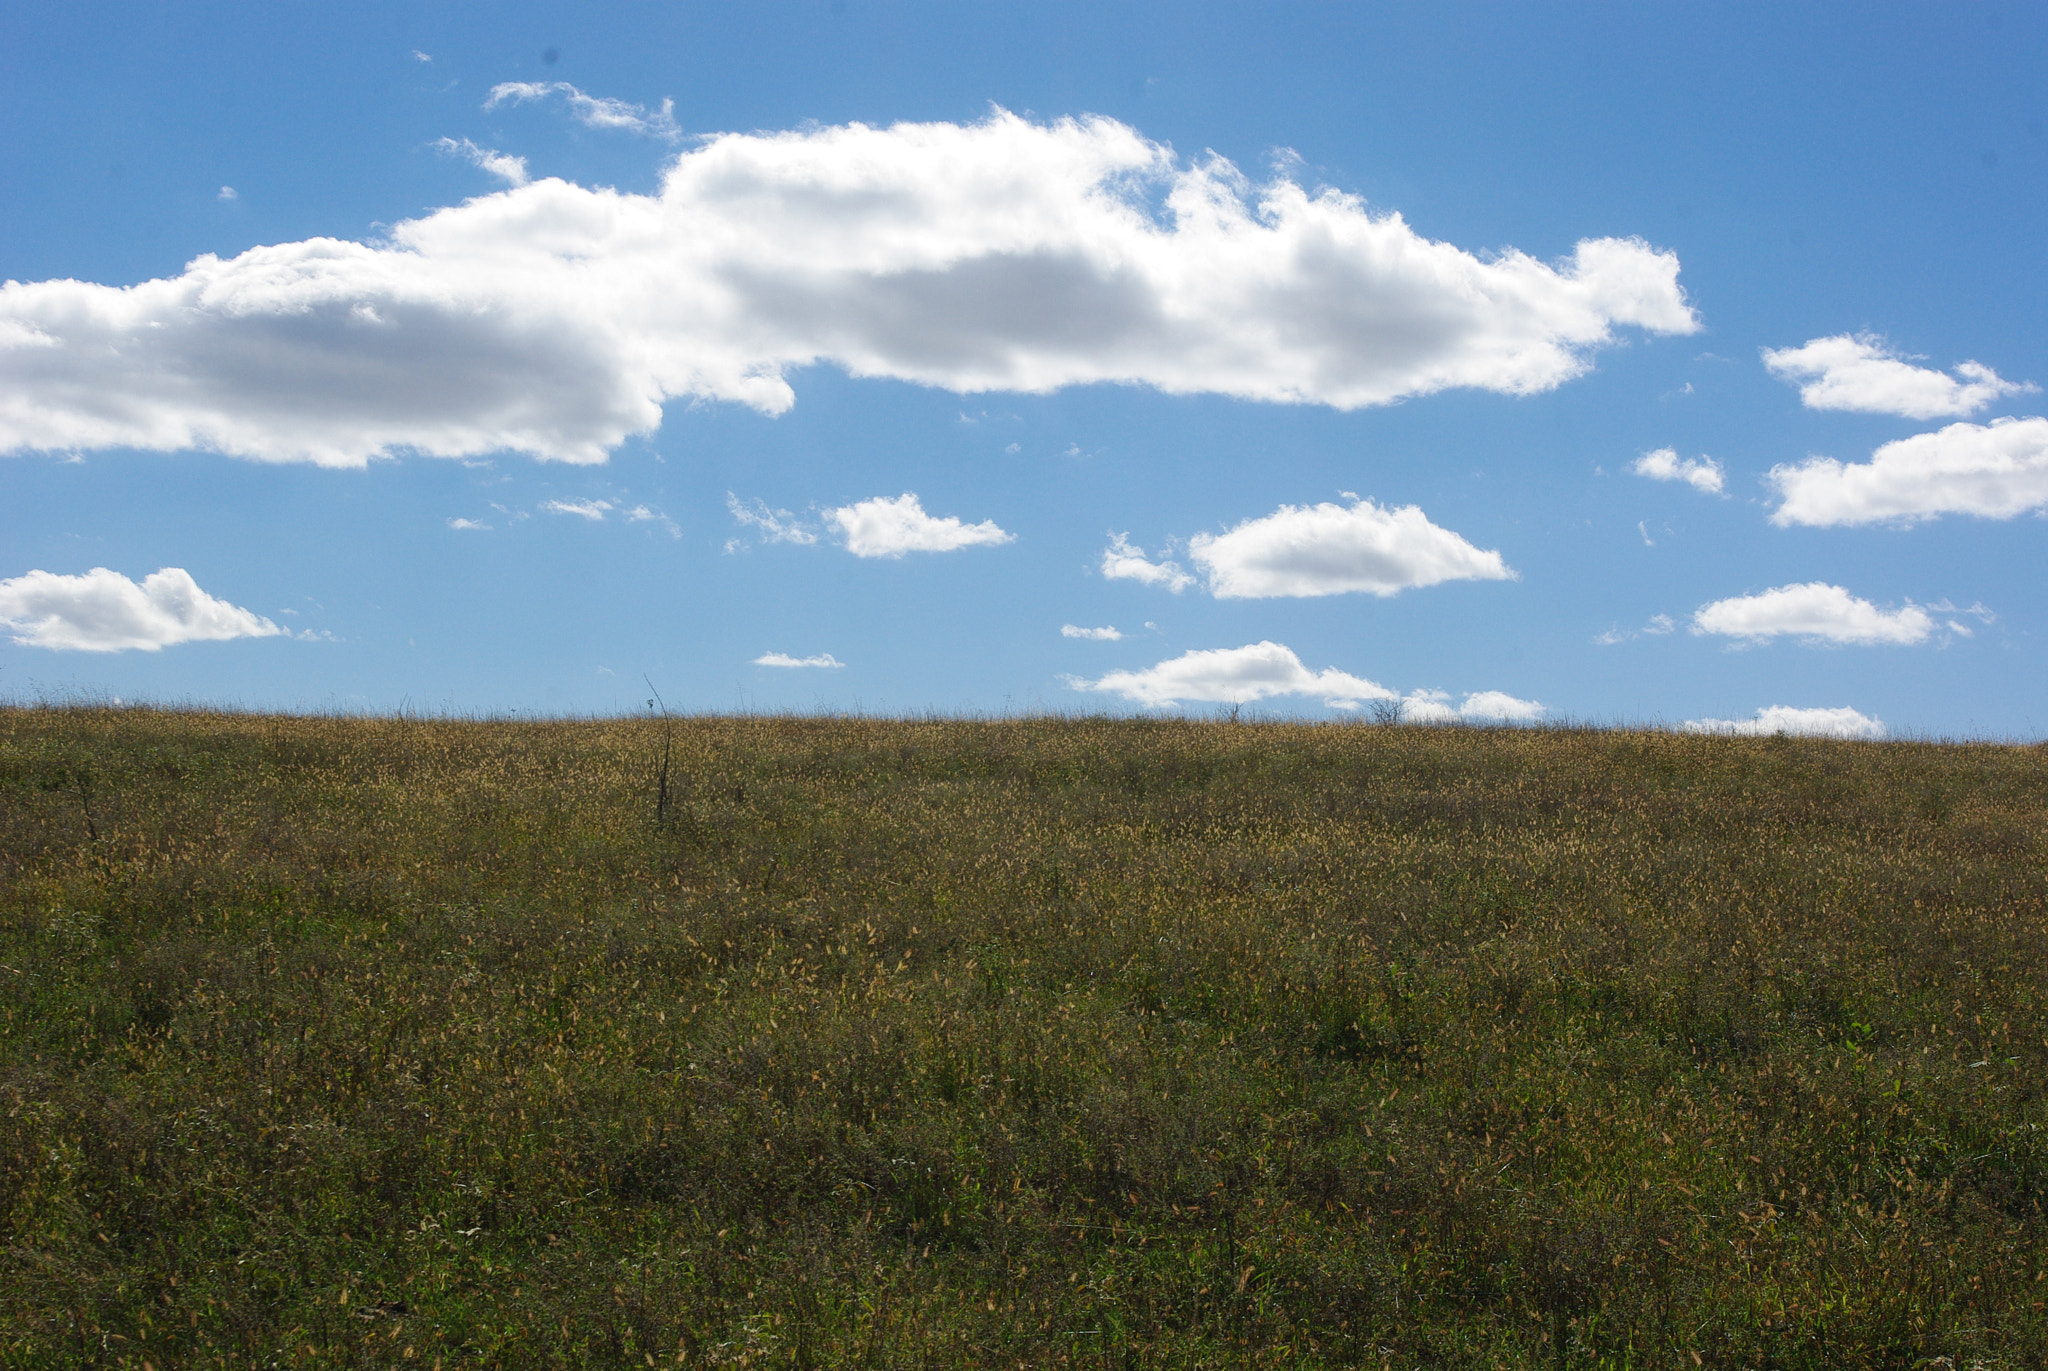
(368, 1042)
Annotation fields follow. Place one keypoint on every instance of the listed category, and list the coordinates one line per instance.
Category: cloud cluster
(104, 611)
(1484, 706)
(1330, 549)
(885, 527)
(556, 319)
(783, 659)
(1109, 634)
(1703, 474)
(1807, 723)
(1817, 612)
(1235, 675)
(1994, 471)
(1858, 372)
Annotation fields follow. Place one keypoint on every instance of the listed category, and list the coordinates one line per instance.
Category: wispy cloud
(1703, 474)
(593, 111)
(557, 320)
(1811, 723)
(892, 526)
(1094, 635)
(503, 165)
(1993, 471)
(461, 525)
(773, 525)
(642, 514)
(104, 611)
(1859, 372)
(227, 193)
(1659, 625)
(783, 659)
(593, 510)
(1817, 613)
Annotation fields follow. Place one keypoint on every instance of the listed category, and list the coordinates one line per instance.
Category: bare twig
(667, 744)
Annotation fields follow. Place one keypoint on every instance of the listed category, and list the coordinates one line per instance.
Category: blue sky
(1627, 364)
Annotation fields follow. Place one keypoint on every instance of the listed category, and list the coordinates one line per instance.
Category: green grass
(381, 1042)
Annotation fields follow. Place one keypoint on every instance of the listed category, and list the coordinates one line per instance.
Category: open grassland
(379, 1042)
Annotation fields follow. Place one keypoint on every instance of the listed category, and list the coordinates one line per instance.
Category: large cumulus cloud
(556, 319)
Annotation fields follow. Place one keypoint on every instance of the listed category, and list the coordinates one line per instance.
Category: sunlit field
(1038, 1042)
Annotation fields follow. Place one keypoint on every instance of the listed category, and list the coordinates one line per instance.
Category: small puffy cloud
(227, 193)
(1701, 473)
(1329, 549)
(885, 527)
(1858, 372)
(1484, 706)
(1235, 675)
(1805, 723)
(1093, 635)
(1994, 471)
(593, 510)
(592, 111)
(1123, 560)
(1817, 612)
(783, 659)
(419, 56)
(104, 611)
(773, 525)
(468, 526)
(557, 320)
(1498, 704)
(503, 165)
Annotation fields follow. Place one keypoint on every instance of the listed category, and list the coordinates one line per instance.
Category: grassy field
(1104, 1043)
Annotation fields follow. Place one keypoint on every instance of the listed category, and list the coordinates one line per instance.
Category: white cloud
(884, 527)
(1497, 704)
(1860, 373)
(593, 510)
(467, 525)
(1123, 560)
(503, 165)
(824, 659)
(1994, 471)
(1093, 635)
(641, 514)
(1485, 706)
(419, 56)
(1816, 612)
(104, 611)
(775, 525)
(1701, 473)
(1808, 723)
(555, 320)
(1329, 549)
(227, 193)
(593, 111)
(1235, 675)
